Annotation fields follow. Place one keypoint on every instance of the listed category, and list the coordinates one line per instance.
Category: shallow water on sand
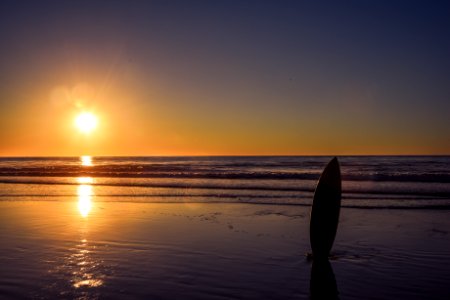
(143, 250)
(120, 250)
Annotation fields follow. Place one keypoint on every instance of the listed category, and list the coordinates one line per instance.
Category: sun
(86, 122)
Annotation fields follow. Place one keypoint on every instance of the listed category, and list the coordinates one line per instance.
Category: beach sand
(126, 250)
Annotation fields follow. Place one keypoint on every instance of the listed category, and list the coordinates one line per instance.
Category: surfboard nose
(334, 161)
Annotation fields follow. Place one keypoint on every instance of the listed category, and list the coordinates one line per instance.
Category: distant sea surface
(420, 182)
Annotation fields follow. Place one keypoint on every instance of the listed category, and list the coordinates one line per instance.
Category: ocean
(368, 181)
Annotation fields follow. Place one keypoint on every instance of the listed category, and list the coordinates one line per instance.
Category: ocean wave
(369, 182)
(206, 173)
(443, 191)
(370, 168)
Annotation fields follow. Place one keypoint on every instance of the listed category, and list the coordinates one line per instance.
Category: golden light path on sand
(84, 199)
(85, 180)
(84, 190)
(86, 272)
(86, 268)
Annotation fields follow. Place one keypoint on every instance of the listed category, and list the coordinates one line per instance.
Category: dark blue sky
(308, 77)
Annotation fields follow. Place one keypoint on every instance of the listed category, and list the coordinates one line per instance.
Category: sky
(225, 77)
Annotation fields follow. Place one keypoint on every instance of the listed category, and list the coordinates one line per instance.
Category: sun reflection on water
(86, 160)
(85, 180)
(85, 268)
(85, 193)
(85, 273)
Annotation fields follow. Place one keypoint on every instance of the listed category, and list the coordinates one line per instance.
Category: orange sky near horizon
(44, 126)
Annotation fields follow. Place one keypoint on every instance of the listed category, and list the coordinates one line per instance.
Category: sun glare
(86, 160)
(86, 122)
(84, 199)
(85, 180)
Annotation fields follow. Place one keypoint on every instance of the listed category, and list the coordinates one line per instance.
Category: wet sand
(126, 250)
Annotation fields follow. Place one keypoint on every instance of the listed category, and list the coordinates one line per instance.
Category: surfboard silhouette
(325, 211)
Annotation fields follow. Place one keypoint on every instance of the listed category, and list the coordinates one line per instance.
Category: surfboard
(325, 210)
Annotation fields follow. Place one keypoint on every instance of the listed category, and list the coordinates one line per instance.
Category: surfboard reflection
(323, 282)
